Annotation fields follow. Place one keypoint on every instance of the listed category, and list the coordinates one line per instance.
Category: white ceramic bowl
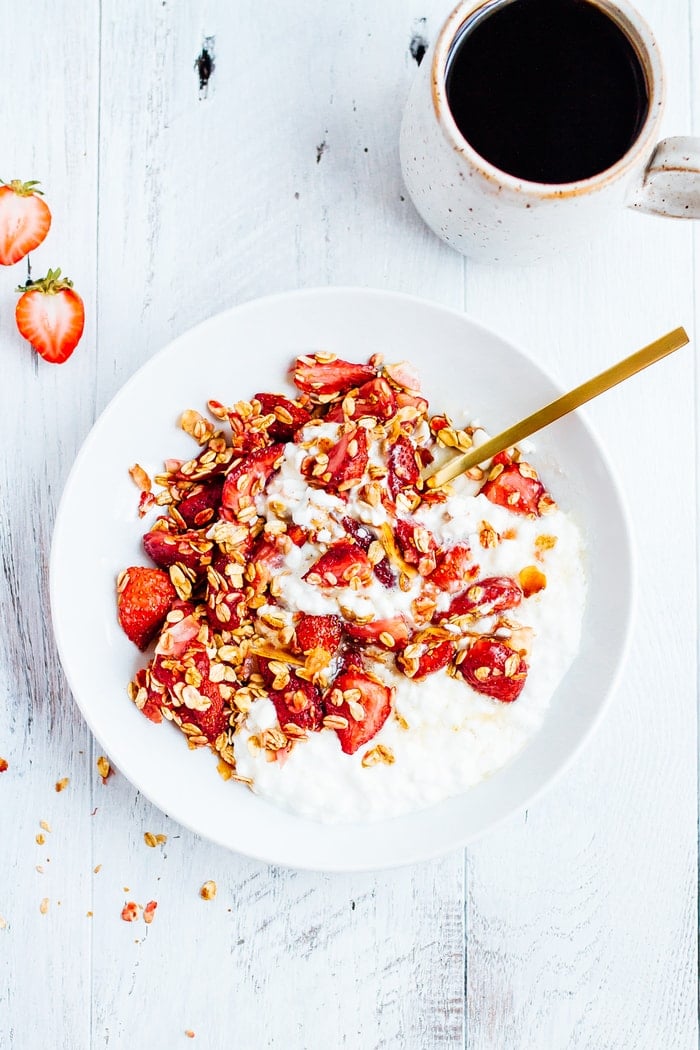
(229, 357)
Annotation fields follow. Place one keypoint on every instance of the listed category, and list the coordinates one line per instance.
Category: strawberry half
(404, 471)
(51, 316)
(493, 668)
(319, 632)
(248, 478)
(340, 565)
(24, 220)
(318, 377)
(299, 703)
(492, 595)
(144, 599)
(518, 488)
(374, 700)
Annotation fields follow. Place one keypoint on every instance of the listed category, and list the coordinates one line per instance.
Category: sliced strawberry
(177, 635)
(375, 399)
(290, 416)
(394, 631)
(297, 534)
(226, 607)
(455, 569)
(319, 632)
(51, 316)
(248, 478)
(493, 668)
(364, 537)
(404, 471)
(517, 487)
(24, 220)
(265, 561)
(417, 544)
(189, 548)
(143, 601)
(156, 696)
(214, 720)
(298, 703)
(202, 506)
(329, 377)
(432, 657)
(340, 565)
(492, 595)
(404, 375)
(406, 400)
(347, 461)
(374, 699)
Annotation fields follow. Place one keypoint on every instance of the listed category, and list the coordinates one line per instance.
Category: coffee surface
(550, 91)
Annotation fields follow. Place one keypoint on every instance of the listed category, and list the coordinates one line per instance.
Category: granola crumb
(208, 890)
(45, 826)
(3, 765)
(40, 839)
(97, 868)
(104, 768)
(62, 784)
(88, 914)
(3, 923)
(189, 1033)
(44, 906)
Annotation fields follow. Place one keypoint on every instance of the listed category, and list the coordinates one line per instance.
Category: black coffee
(546, 90)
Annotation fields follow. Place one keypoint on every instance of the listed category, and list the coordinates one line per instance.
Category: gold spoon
(561, 407)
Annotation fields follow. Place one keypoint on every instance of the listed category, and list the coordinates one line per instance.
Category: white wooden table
(573, 926)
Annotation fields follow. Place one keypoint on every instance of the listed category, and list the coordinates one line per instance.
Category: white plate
(230, 357)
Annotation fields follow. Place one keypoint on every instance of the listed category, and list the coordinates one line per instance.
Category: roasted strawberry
(299, 703)
(190, 549)
(248, 478)
(290, 416)
(226, 608)
(431, 657)
(297, 534)
(347, 461)
(404, 471)
(375, 399)
(417, 545)
(202, 506)
(144, 598)
(329, 375)
(340, 565)
(493, 668)
(390, 633)
(455, 569)
(149, 696)
(365, 705)
(214, 719)
(516, 487)
(492, 595)
(319, 632)
(266, 559)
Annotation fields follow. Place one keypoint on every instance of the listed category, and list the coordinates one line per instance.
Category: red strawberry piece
(317, 377)
(297, 534)
(347, 461)
(341, 564)
(299, 703)
(375, 399)
(143, 601)
(432, 658)
(248, 478)
(415, 542)
(214, 720)
(390, 633)
(404, 471)
(156, 696)
(177, 637)
(202, 506)
(374, 700)
(171, 670)
(494, 594)
(517, 489)
(190, 549)
(226, 608)
(493, 668)
(51, 316)
(24, 220)
(404, 376)
(290, 416)
(319, 632)
(364, 537)
(455, 569)
(267, 558)
(406, 400)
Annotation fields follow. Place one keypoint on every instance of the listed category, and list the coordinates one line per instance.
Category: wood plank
(49, 133)
(582, 915)
(286, 174)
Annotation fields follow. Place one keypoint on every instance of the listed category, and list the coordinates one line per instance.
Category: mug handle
(670, 185)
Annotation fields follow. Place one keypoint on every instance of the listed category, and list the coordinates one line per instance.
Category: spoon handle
(629, 366)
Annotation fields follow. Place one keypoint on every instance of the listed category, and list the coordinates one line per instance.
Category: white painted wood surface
(574, 926)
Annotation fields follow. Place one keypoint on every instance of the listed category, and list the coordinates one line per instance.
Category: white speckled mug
(493, 216)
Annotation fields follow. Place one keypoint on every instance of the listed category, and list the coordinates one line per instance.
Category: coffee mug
(474, 153)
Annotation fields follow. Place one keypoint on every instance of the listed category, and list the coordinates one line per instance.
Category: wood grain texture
(575, 925)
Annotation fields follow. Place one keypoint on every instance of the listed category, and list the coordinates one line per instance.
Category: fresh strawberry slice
(493, 668)
(375, 399)
(374, 700)
(415, 542)
(431, 658)
(347, 461)
(290, 416)
(143, 601)
(404, 471)
(299, 703)
(517, 487)
(406, 400)
(390, 633)
(455, 569)
(341, 564)
(189, 548)
(202, 506)
(248, 478)
(24, 220)
(318, 377)
(485, 597)
(364, 537)
(178, 635)
(319, 632)
(51, 316)
(214, 720)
